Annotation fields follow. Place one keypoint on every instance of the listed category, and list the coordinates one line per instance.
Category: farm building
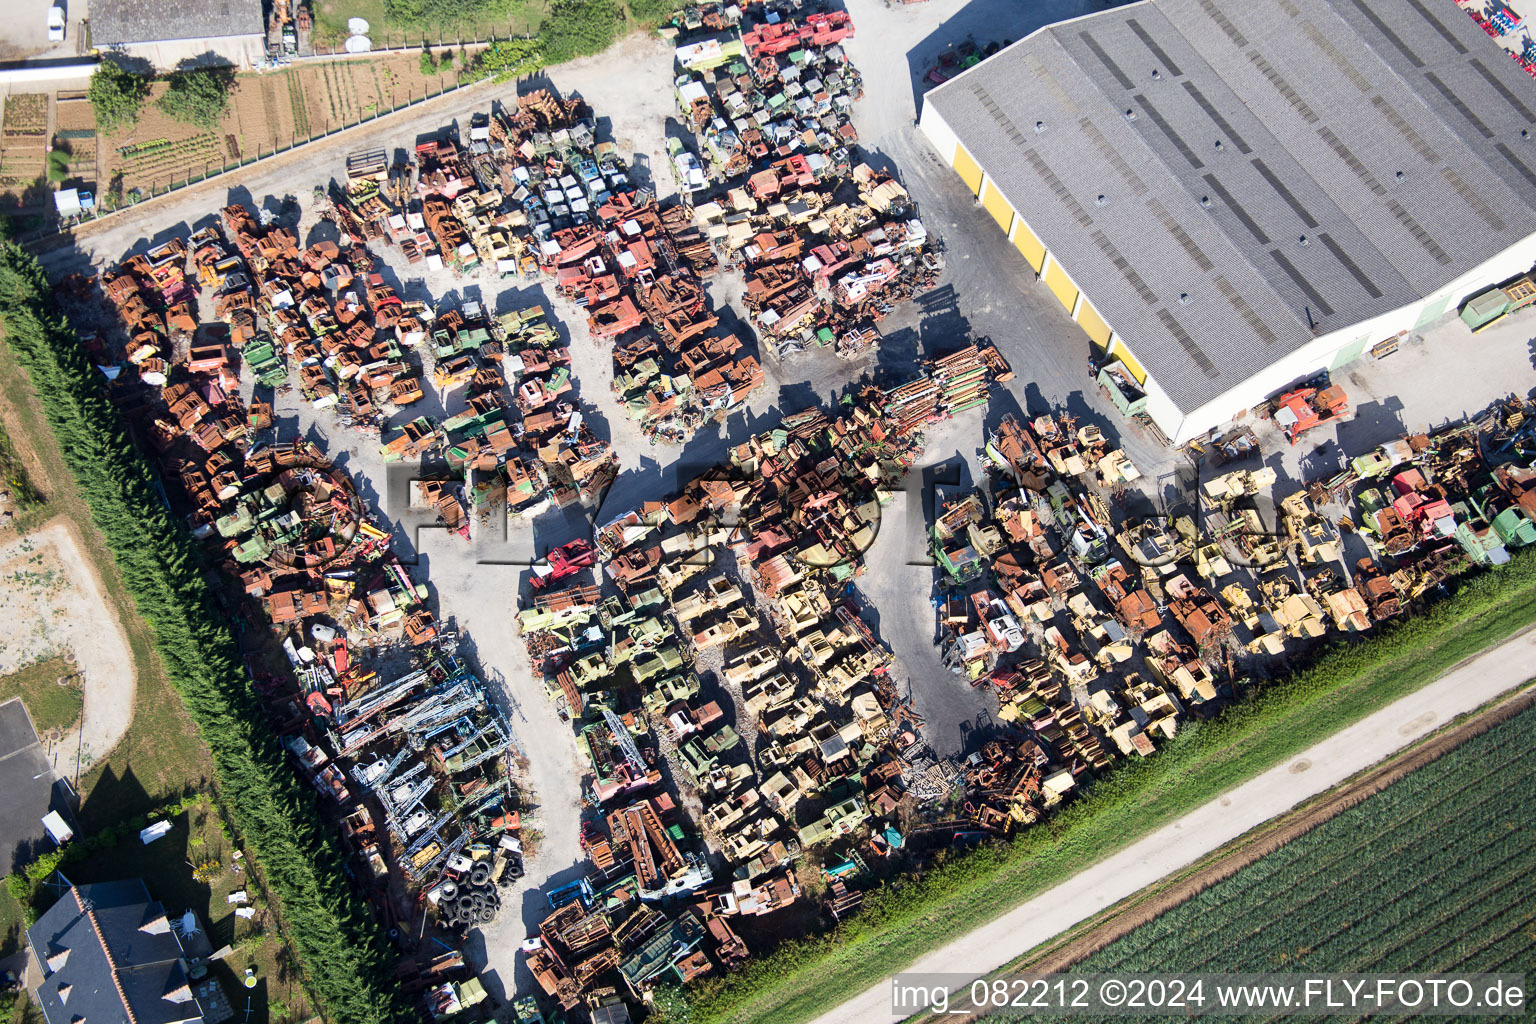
(168, 33)
(1232, 195)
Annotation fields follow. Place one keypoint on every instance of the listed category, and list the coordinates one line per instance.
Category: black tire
(450, 889)
(466, 905)
(480, 873)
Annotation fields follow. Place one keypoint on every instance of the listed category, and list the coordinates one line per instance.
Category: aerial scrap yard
(752, 759)
(749, 744)
(828, 245)
(324, 319)
(528, 192)
(413, 758)
(735, 594)
(1101, 633)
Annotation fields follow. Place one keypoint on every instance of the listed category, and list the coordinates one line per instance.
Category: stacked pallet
(962, 379)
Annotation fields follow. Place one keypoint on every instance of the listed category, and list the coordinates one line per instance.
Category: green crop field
(1435, 873)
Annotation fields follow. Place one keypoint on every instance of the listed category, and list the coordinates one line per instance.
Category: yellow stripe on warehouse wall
(1089, 320)
(1061, 286)
(1028, 245)
(1120, 352)
(998, 207)
(968, 169)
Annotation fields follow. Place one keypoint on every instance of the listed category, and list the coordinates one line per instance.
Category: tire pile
(474, 899)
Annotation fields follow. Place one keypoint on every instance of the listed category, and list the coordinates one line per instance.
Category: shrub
(579, 28)
(437, 14)
(652, 13)
(511, 59)
(45, 865)
(428, 62)
(58, 164)
(117, 95)
(198, 96)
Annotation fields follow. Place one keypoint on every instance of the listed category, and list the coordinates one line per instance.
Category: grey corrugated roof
(1173, 154)
(116, 22)
(114, 970)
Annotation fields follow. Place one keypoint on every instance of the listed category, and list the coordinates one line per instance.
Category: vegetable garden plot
(23, 142)
(74, 129)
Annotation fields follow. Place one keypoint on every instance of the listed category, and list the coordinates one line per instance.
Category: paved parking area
(26, 787)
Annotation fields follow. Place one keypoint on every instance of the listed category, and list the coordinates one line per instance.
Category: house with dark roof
(170, 33)
(1229, 196)
(108, 955)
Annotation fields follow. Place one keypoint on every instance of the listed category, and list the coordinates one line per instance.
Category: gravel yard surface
(52, 604)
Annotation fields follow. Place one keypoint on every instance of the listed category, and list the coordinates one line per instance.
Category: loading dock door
(1028, 245)
(998, 207)
(1432, 312)
(968, 169)
(1089, 320)
(1061, 286)
(1349, 353)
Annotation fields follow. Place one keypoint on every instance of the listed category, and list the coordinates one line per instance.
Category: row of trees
(343, 956)
(196, 95)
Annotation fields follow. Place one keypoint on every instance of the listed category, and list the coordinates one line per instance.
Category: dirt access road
(1202, 831)
(52, 603)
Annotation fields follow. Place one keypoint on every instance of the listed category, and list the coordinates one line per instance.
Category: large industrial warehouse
(1232, 195)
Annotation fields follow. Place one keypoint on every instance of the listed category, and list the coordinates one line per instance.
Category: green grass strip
(345, 961)
(909, 917)
(52, 706)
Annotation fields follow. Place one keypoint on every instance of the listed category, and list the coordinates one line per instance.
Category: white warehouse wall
(1321, 352)
(938, 133)
(243, 52)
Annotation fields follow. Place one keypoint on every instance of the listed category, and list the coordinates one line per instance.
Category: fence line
(410, 43)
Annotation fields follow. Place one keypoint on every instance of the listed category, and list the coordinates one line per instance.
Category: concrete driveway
(1198, 833)
(25, 33)
(27, 789)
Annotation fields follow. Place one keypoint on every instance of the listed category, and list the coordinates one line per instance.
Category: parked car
(55, 24)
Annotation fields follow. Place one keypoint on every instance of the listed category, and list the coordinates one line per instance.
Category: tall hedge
(341, 951)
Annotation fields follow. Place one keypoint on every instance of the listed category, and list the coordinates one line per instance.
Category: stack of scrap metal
(962, 378)
(292, 533)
